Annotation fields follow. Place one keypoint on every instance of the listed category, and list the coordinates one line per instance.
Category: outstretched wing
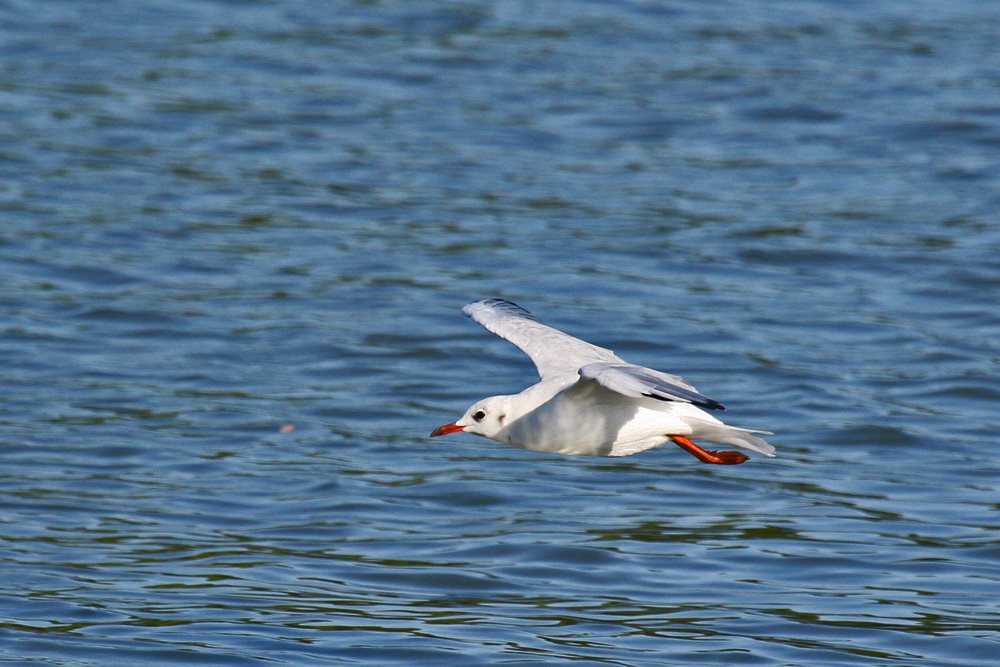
(552, 351)
(637, 381)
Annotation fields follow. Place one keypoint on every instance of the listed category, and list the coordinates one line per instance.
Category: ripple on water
(207, 238)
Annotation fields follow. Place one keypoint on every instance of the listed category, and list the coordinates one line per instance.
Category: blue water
(219, 219)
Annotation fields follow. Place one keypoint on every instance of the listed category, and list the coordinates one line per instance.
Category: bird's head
(486, 418)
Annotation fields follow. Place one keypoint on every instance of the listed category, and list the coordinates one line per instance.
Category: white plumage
(590, 401)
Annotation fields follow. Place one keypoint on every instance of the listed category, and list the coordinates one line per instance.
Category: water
(221, 218)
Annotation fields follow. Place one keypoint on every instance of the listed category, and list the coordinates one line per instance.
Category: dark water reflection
(218, 218)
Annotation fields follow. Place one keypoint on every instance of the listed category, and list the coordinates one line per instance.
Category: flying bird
(591, 401)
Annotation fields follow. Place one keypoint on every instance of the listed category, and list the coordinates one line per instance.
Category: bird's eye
(479, 415)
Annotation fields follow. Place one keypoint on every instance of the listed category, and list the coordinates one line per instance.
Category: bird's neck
(534, 396)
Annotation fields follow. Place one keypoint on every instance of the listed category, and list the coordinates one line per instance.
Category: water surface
(221, 218)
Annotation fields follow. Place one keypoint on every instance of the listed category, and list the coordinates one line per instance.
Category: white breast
(585, 418)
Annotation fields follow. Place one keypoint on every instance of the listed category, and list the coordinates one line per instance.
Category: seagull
(590, 401)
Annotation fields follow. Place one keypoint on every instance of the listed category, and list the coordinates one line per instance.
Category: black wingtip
(706, 403)
(508, 307)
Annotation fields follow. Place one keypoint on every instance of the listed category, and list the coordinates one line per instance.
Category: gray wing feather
(636, 382)
(552, 351)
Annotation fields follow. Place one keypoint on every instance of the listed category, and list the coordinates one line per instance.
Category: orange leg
(708, 456)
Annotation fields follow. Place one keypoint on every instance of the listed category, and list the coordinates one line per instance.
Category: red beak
(446, 429)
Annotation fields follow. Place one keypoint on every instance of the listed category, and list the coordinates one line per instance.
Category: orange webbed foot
(709, 456)
(728, 458)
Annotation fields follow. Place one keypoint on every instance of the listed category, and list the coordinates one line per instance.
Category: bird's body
(590, 401)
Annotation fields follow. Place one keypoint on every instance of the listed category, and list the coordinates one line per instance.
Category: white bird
(590, 401)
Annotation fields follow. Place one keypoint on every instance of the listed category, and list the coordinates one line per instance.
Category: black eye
(479, 415)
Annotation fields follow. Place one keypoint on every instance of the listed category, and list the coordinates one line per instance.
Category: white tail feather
(730, 435)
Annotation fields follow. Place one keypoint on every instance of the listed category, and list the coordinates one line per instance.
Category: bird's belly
(593, 422)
